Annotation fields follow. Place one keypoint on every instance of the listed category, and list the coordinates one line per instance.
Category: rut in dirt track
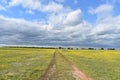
(73, 73)
(51, 68)
(79, 75)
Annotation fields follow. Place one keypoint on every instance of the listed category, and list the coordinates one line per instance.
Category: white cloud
(31, 4)
(74, 17)
(107, 32)
(52, 6)
(66, 28)
(66, 19)
(107, 29)
(36, 5)
(107, 25)
(102, 9)
(18, 23)
(21, 31)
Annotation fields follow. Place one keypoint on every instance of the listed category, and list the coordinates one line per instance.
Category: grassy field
(31, 63)
(98, 64)
(23, 63)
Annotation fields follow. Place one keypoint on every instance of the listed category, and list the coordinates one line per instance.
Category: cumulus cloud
(36, 5)
(74, 17)
(52, 6)
(20, 31)
(107, 31)
(108, 25)
(80, 33)
(63, 27)
(102, 11)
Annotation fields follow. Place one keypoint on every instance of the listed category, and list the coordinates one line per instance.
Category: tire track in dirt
(51, 68)
(79, 75)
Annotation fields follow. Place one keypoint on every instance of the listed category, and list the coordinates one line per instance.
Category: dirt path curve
(53, 68)
(79, 75)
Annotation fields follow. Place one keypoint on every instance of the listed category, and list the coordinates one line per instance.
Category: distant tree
(70, 48)
(111, 49)
(77, 48)
(60, 47)
(101, 48)
(90, 48)
(83, 48)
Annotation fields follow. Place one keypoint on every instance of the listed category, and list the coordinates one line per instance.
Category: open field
(23, 63)
(50, 64)
(98, 64)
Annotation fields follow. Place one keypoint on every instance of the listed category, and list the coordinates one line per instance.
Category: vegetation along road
(60, 68)
(62, 64)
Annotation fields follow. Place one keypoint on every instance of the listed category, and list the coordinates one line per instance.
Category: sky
(76, 23)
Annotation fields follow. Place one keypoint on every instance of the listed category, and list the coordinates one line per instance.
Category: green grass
(97, 64)
(63, 70)
(23, 63)
(30, 63)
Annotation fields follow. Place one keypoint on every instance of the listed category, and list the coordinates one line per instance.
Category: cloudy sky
(80, 23)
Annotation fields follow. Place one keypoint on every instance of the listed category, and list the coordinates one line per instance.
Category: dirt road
(60, 68)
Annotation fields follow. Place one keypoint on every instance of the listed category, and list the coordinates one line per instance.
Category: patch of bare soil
(77, 74)
(51, 69)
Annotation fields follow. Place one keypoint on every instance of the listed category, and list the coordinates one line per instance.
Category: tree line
(69, 48)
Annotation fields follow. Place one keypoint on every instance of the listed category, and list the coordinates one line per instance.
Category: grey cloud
(21, 32)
